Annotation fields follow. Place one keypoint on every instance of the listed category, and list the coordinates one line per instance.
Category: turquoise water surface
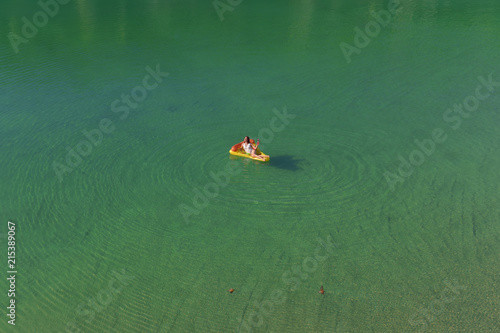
(382, 122)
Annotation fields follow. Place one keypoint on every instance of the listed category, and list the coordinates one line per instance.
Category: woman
(250, 148)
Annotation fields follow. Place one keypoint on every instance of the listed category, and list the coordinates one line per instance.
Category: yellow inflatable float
(237, 150)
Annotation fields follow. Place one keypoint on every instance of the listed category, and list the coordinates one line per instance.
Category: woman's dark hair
(245, 140)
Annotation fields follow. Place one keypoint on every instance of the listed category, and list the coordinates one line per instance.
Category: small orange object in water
(231, 290)
(321, 291)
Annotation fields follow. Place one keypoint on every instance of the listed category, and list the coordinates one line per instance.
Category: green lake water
(131, 216)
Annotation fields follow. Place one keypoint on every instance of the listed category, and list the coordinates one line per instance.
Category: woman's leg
(258, 156)
(264, 156)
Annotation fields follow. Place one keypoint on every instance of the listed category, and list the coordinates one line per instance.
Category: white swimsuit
(247, 147)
